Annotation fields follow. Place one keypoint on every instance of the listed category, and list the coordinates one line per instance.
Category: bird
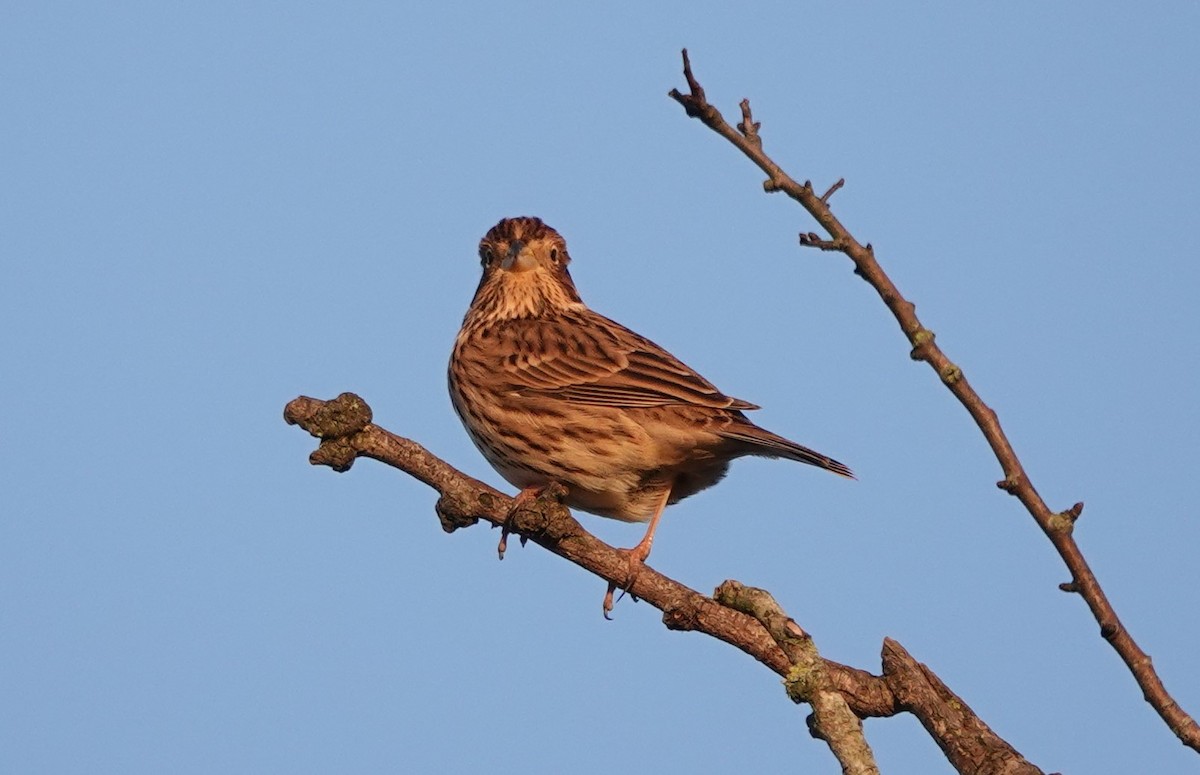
(554, 393)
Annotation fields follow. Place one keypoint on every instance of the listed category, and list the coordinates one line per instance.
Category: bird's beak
(519, 258)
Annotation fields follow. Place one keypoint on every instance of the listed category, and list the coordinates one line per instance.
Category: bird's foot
(635, 559)
(522, 500)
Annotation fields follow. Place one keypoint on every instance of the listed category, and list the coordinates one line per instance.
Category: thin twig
(1057, 526)
(825, 197)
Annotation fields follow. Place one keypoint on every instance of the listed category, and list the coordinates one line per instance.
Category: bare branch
(464, 501)
(924, 695)
(346, 432)
(1057, 526)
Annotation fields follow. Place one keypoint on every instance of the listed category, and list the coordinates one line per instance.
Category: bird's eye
(486, 255)
(554, 255)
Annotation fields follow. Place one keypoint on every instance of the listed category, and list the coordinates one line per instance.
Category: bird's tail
(762, 442)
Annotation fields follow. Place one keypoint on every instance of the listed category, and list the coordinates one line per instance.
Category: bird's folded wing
(586, 358)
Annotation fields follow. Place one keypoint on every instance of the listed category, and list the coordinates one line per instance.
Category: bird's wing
(586, 358)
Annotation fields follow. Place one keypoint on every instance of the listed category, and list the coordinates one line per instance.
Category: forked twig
(1057, 526)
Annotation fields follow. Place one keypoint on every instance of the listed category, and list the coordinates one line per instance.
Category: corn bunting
(551, 391)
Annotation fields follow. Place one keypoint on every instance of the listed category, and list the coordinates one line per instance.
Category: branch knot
(333, 422)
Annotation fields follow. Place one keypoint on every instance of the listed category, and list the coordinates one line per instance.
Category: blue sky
(209, 209)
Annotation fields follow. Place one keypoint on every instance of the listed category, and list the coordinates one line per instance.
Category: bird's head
(524, 271)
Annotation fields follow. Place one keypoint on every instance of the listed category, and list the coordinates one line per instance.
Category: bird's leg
(524, 498)
(636, 557)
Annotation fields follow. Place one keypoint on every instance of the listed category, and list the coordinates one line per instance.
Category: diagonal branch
(547, 523)
(947, 719)
(1058, 526)
(761, 630)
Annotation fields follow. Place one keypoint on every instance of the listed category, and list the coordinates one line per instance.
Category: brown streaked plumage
(551, 391)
